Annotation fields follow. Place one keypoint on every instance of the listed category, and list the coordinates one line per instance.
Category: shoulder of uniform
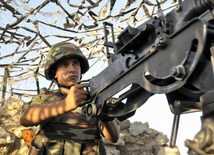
(44, 91)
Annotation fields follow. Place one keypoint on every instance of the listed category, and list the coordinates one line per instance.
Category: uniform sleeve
(35, 101)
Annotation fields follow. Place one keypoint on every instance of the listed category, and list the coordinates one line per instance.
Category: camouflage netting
(29, 28)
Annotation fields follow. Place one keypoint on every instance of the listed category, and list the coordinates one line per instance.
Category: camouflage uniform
(70, 133)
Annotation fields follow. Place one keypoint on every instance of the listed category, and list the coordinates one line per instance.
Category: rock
(146, 124)
(137, 128)
(168, 150)
(18, 134)
(162, 139)
(14, 103)
(140, 140)
(5, 138)
(120, 142)
(111, 150)
(124, 124)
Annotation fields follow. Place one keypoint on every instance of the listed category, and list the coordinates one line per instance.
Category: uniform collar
(62, 92)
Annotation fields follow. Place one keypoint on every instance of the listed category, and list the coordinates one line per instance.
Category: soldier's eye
(75, 63)
(64, 64)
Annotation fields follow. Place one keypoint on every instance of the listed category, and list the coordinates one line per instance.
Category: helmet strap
(59, 85)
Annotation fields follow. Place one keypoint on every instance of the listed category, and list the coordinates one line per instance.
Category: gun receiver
(171, 55)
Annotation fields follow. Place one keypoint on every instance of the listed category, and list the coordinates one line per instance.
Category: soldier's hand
(76, 95)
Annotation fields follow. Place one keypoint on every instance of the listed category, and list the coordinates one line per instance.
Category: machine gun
(170, 54)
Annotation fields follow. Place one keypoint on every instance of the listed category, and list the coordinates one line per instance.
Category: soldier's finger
(82, 91)
(83, 97)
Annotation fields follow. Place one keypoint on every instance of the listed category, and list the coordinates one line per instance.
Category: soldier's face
(68, 72)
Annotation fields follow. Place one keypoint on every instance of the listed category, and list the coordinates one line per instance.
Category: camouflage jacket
(68, 134)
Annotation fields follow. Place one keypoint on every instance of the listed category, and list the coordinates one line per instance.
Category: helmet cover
(60, 51)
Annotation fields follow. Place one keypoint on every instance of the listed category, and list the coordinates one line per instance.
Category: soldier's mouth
(72, 77)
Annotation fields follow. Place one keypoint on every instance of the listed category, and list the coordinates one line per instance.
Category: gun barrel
(203, 5)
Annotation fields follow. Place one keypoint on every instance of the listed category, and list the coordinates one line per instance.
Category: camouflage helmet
(60, 51)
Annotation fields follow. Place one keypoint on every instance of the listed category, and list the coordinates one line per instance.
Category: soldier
(64, 126)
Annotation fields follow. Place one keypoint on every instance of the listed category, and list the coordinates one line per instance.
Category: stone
(124, 124)
(169, 151)
(111, 150)
(146, 124)
(137, 128)
(120, 142)
(162, 139)
(14, 103)
(18, 134)
(5, 137)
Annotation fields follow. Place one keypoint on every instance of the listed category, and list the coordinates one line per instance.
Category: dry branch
(84, 18)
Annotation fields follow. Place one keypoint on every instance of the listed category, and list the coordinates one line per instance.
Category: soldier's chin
(70, 84)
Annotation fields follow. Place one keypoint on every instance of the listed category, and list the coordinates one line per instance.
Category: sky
(155, 111)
